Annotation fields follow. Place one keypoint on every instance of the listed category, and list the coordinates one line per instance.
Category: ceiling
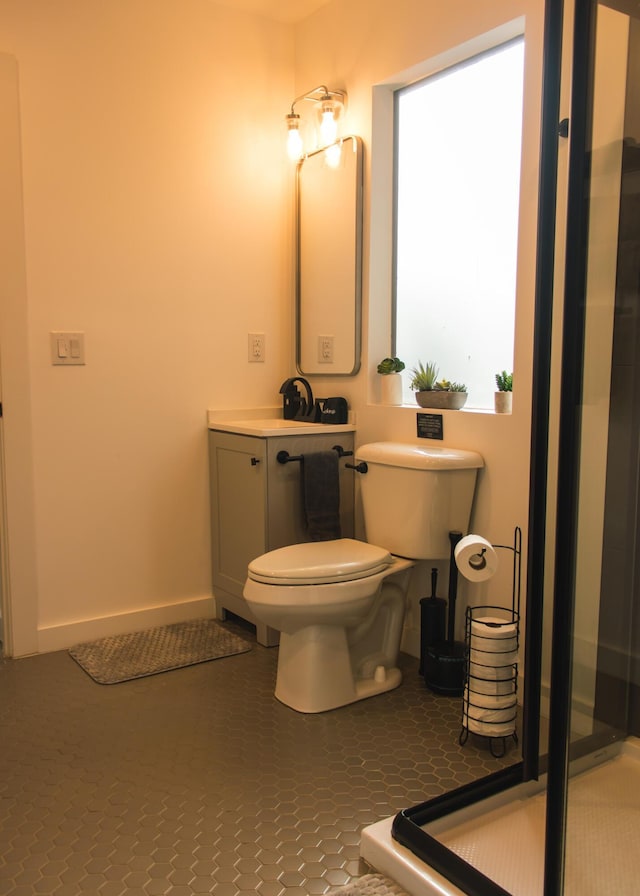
(289, 11)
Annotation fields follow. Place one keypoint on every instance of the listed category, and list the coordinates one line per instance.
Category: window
(457, 152)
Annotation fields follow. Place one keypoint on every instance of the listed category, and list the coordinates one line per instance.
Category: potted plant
(431, 393)
(503, 397)
(390, 369)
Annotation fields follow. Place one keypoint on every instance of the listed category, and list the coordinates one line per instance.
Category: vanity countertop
(266, 427)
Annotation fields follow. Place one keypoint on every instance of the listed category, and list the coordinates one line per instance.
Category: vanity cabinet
(257, 506)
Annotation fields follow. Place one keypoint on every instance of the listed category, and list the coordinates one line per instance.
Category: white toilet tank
(413, 496)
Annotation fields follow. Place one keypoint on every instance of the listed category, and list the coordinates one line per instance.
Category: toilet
(340, 604)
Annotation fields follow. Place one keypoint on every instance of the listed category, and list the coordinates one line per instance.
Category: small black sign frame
(430, 426)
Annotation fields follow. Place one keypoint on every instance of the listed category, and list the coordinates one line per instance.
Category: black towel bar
(283, 457)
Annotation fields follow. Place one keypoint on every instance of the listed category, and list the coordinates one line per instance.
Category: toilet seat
(320, 563)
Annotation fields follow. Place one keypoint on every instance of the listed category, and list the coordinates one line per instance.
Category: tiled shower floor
(199, 781)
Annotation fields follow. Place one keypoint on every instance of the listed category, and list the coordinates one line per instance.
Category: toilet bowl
(339, 606)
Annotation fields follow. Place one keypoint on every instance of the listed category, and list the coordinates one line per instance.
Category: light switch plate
(67, 348)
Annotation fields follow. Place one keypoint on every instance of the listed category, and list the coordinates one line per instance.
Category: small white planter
(503, 402)
(391, 388)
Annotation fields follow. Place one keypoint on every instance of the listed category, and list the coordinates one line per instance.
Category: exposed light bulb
(328, 124)
(294, 138)
(294, 145)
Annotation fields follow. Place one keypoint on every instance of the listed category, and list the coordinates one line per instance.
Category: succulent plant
(390, 365)
(424, 377)
(504, 381)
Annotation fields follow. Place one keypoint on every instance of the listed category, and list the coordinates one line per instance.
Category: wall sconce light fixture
(330, 106)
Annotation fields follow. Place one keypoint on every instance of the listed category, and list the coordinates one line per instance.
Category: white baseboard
(61, 637)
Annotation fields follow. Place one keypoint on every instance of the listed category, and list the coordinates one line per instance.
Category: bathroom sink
(276, 426)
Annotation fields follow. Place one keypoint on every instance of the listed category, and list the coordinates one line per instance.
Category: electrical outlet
(325, 349)
(256, 347)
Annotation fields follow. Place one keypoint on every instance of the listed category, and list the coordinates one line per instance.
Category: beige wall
(156, 222)
(358, 45)
(157, 204)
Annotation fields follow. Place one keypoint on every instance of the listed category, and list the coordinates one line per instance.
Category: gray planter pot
(434, 398)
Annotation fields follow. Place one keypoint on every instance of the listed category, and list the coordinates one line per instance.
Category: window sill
(415, 407)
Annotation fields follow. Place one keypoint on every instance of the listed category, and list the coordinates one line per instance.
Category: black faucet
(295, 407)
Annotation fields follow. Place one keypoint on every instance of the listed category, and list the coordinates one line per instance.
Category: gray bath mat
(370, 885)
(160, 649)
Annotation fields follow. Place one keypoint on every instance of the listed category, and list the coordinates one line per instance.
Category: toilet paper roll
(492, 673)
(475, 558)
(491, 716)
(491, 729)
(493, 627)
(493, 660)
(488, 701)
(495, 645)
(489, 688)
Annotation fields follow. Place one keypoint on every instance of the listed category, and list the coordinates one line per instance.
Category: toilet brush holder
(445, 664)
(445, 660)
(433, 621)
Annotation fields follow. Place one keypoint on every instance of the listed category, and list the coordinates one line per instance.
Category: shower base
(504, 836)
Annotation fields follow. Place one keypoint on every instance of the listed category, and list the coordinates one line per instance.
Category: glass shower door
(592, 834)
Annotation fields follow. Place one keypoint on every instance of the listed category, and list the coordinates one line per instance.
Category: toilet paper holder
(480, 562)
(492, 638)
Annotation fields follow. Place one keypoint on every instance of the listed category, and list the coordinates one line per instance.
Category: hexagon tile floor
(199, 781)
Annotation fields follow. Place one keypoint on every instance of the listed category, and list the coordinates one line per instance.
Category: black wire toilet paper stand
(492, 641)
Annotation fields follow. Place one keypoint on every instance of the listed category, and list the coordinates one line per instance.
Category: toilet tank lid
(419, 457)
(320, 562)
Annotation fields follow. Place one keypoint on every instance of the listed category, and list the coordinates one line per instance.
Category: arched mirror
(329, 260)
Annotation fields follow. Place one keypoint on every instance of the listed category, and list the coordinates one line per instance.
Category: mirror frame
(357, 249)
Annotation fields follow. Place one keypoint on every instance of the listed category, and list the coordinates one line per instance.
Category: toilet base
(315, 674)
(369, 687)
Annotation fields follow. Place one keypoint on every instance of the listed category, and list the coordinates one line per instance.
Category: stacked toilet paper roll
(490, 702)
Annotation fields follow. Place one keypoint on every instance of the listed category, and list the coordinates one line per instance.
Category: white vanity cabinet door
(238, 505)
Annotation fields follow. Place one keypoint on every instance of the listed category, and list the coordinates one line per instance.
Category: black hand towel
(321, 489)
